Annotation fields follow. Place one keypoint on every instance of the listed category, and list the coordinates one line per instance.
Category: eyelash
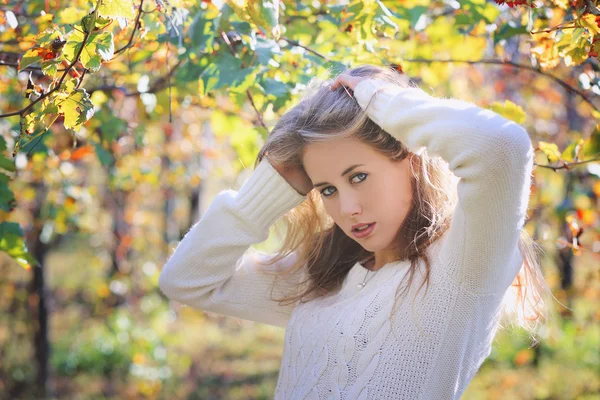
(354, 176)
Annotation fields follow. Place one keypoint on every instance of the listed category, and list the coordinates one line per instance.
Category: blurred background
(121, 120)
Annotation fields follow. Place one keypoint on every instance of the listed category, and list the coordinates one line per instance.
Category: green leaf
(99, 23)
(45, 38)
(7, 164)
(77, 109)
(190, 71)
(412, 15)
(509, 110)
(202, 33)
(265, 14)
(104, 156)
(570, 152)
(11, 242)
(110, 125)
(464, 19)
(105, 45)
(384, 18)
(509, 30)
(99, 47)
(278, 91)
(11, 228)
(50, 67)
(591, 147)
(7, 198)
(266, 49)
(116, 9)
(225, 71)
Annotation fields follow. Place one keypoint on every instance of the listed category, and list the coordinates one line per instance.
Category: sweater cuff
(375, 96)
(266, 196)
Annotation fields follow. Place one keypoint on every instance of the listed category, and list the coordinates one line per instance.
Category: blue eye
(354, 176)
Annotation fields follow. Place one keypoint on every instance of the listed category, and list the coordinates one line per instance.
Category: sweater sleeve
(493, 159)
(213, 267)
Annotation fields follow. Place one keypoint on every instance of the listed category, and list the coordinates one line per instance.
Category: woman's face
(378, 190)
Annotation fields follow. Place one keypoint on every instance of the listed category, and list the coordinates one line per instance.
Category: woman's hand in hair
(295, 176)
(347, 80)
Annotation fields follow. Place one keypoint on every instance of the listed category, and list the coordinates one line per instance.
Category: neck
(386, 256)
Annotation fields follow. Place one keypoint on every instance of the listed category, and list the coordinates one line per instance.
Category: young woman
(384, 189)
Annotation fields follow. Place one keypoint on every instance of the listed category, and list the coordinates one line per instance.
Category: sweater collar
(358, 274)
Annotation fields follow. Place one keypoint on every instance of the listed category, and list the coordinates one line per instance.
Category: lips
(365, 232)
(354, 227)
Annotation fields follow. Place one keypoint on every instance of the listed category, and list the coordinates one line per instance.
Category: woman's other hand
(296, 177)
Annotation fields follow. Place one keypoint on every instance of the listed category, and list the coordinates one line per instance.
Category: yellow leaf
(116, 9)
(564, 4)
(589, 21)
(509, 110)
(551, 151)
(71, 15)
(545, 50)
(596, 188)
(77, 109)
(44, 22)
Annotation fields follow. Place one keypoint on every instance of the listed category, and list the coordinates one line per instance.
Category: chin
(372, 247)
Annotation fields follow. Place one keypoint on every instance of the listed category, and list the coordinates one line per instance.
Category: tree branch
(567, 165)
(295, 43)
(157, 86)
(232, 50)
(515, 65)
(592, 8)
(25, 110)
(135, 28)
(495, 62)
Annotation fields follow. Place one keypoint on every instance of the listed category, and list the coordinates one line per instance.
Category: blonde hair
(325, 254)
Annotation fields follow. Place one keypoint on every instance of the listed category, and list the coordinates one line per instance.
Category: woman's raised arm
(492, 156)
(213, 267)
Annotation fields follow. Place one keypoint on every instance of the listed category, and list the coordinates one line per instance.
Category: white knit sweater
(342, 347)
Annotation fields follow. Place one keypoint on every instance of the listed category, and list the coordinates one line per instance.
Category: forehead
(336, 155)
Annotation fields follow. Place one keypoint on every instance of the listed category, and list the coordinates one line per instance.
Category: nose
(349, 205)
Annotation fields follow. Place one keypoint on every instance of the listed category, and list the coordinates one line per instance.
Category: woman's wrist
(295, 177)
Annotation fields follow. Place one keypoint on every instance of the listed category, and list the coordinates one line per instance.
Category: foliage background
(121, 119)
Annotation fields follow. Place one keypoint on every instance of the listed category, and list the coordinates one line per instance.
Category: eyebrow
(349, 169)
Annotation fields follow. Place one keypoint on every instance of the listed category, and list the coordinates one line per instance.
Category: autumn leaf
(11, 242)
(49, 45)
(551, 151)
(77, 109)
(82, 152)
(99, 47)
(509, 110)
(116, 9)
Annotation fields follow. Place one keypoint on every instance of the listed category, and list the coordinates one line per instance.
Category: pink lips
(364, 233)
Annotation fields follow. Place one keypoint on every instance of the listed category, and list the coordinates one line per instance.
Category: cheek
(394, 200)
(332, 209)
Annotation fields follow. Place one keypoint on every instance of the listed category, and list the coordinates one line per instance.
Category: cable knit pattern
(343, 346)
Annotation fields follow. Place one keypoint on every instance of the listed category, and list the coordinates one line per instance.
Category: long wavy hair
(324, 254)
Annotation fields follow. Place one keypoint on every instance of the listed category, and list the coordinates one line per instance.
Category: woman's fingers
(346, 80)
(340, 80)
